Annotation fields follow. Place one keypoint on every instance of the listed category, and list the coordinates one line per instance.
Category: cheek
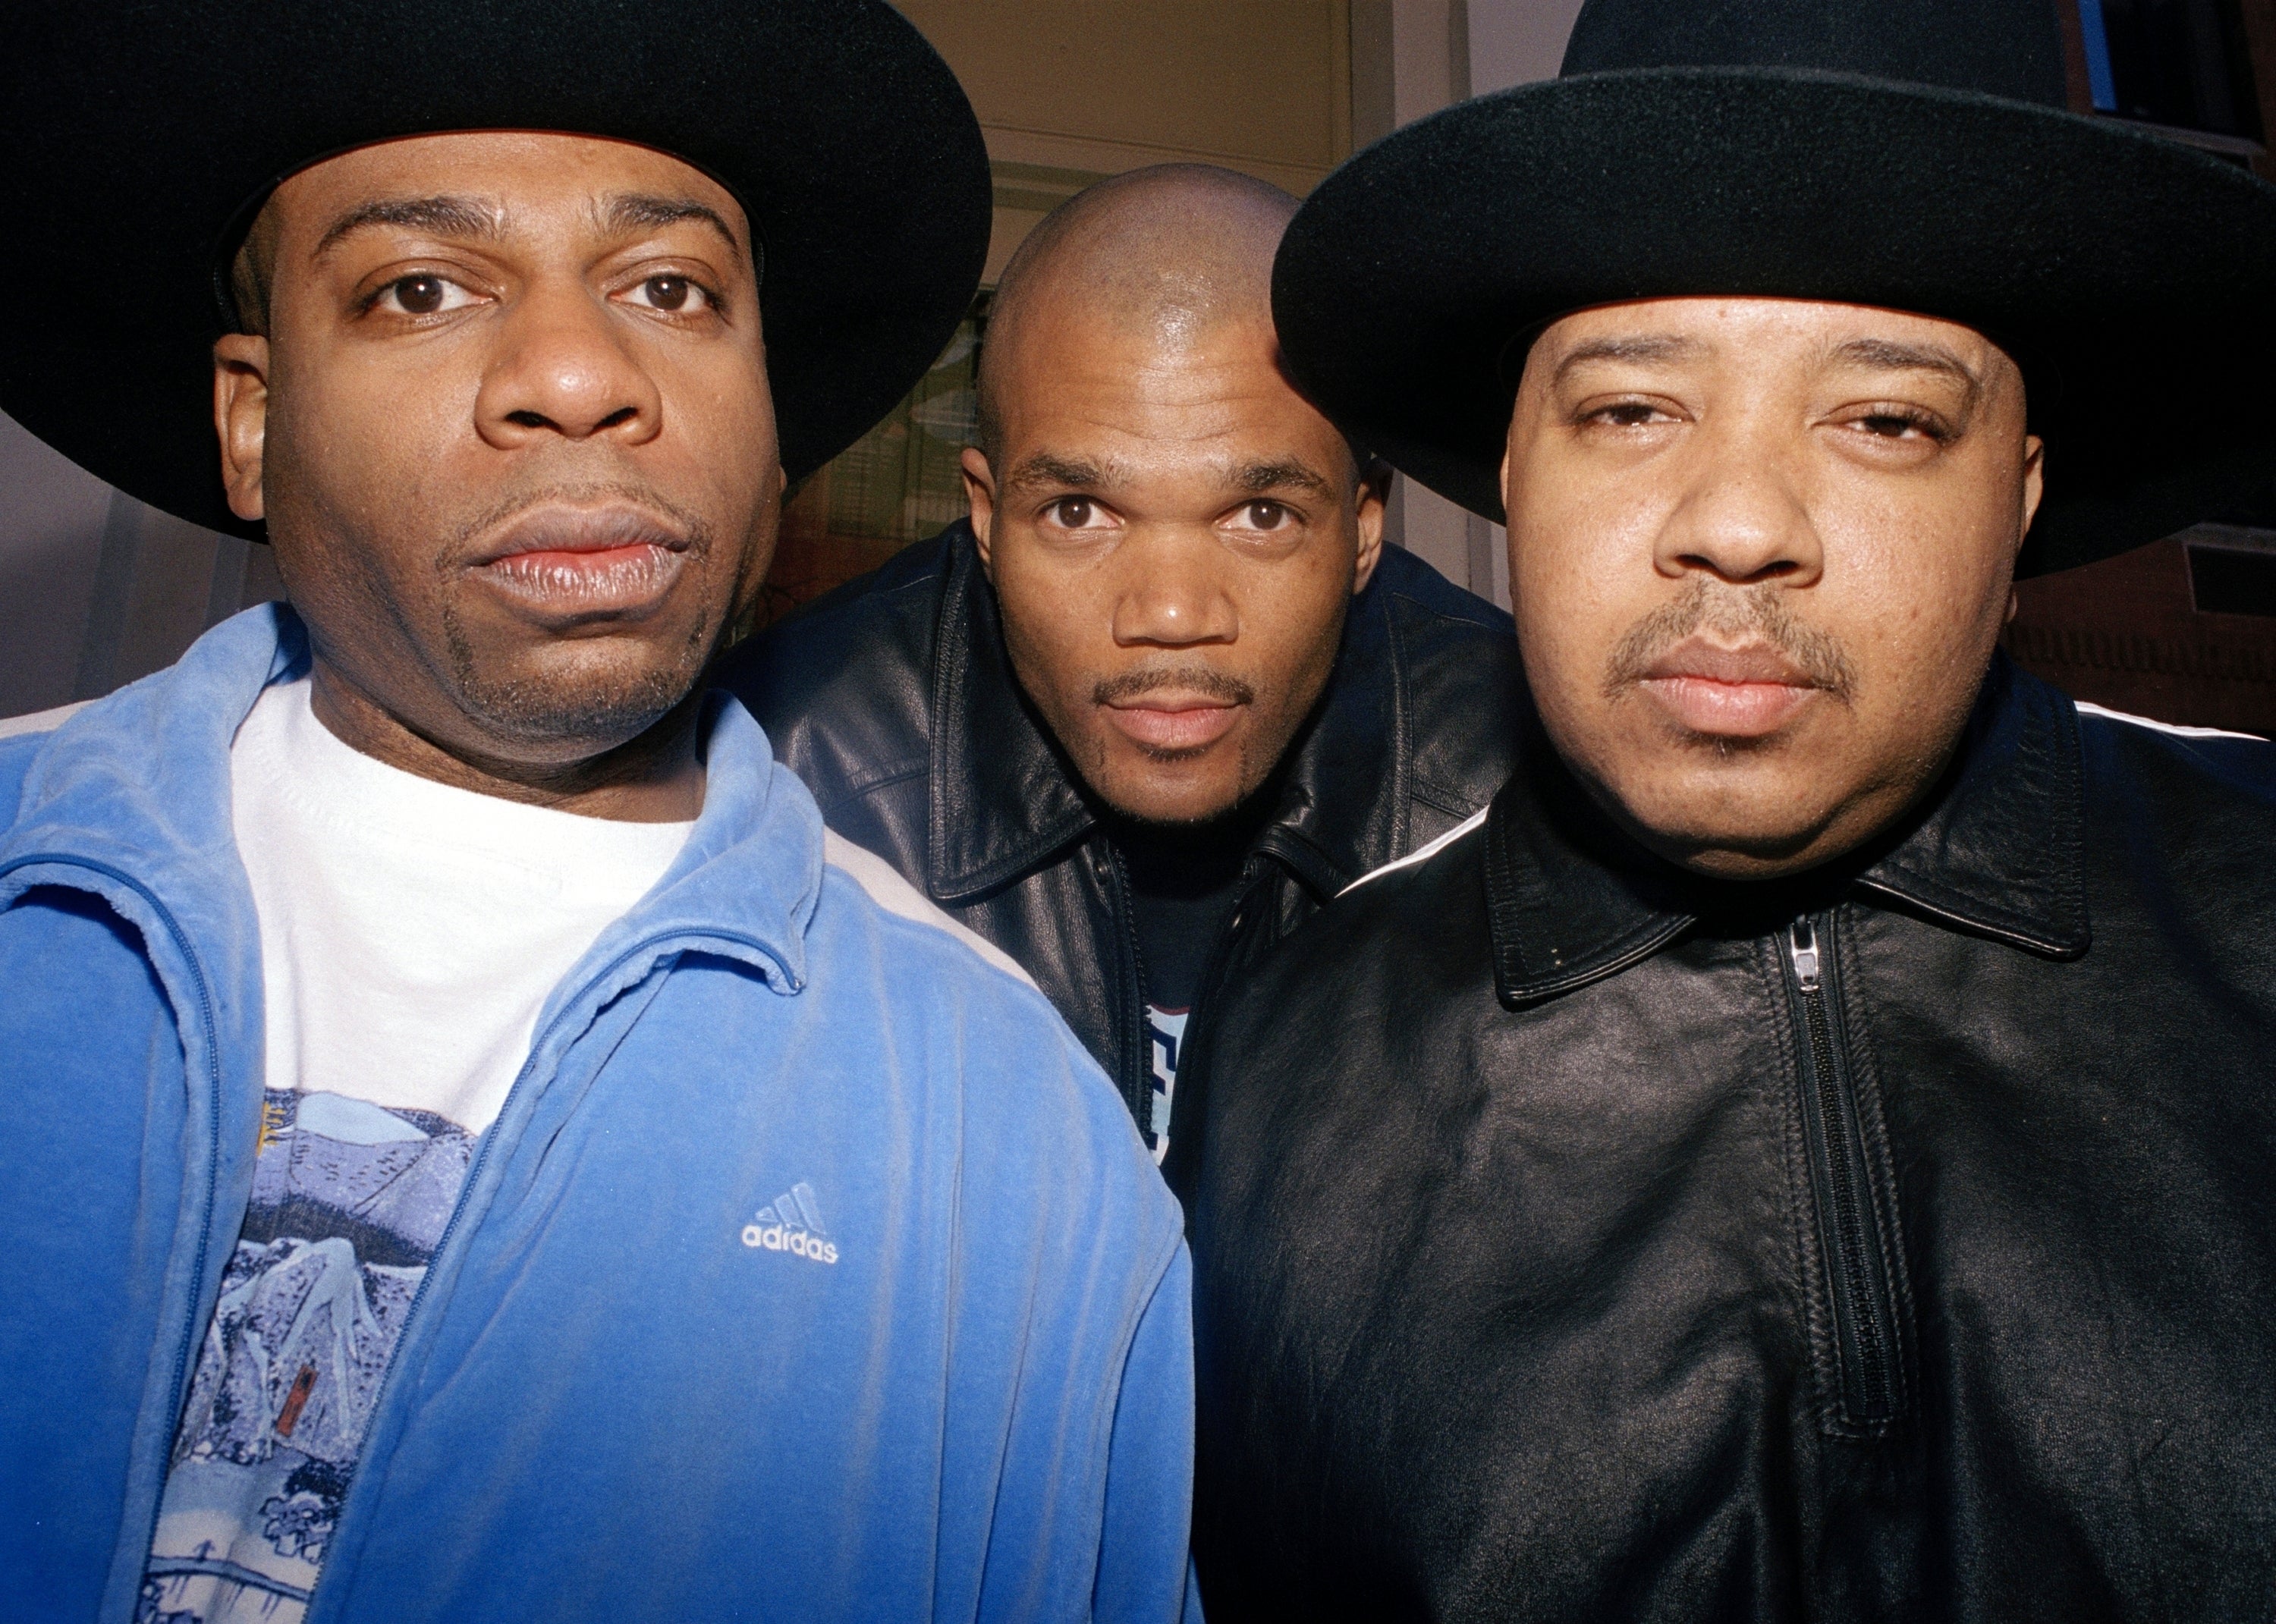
(1582, 565)
(1574, 597)
(1058, 620)
(723, 416)
(1914, 591)
(1290, 614)
(321, 439)
(340, 496)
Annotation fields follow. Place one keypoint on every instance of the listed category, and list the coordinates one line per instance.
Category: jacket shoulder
(1416, 923)
(1465, 685)
(21, 738)
(1329, 1012)
(844, 688)
(2244, 762)
(1403, 575)
(2187, 797)
(1031, 1095)
(882, 887)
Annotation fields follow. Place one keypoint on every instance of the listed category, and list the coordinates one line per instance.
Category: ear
(241, 419)
(2035, 483)
(1374, 496)
(980, 492)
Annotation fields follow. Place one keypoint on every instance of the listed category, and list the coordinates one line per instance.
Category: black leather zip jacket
(894, 700)
(1574, 1241)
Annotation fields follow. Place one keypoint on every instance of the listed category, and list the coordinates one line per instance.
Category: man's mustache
(1734, 616)
(1186, 679)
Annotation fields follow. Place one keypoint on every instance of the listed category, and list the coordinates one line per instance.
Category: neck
(1195, 854)
(656, 778)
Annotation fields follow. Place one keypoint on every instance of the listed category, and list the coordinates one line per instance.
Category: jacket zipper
(1868, 1389)
(1135, 1052)
(1137, 1083)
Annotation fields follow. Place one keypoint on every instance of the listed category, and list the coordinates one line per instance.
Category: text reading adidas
(792, 1224)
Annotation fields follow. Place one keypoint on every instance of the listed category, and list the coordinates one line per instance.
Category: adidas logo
(792, 1224)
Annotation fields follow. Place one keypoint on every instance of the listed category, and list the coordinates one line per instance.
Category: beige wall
(1071, 91)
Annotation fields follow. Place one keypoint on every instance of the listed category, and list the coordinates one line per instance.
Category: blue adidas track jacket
(611, 1403)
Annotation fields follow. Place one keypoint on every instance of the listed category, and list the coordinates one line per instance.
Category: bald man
(1166, 692)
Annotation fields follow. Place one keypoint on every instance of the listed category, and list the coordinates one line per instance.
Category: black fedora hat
(138, 137)
(1910, 154)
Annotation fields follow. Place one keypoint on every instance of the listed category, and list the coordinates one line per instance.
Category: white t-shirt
(410, 930)
(410, 933)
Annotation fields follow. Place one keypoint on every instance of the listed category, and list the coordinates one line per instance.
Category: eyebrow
(1045, 468)
(635, 211)
(1644, 347)
(442, 216)
(1886, 355)
(1286, 474)
(464, 218)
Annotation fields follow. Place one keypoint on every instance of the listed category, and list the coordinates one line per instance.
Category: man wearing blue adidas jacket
(472, 1144)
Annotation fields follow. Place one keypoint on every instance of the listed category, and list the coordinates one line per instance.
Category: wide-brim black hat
(1897, 152)
(138, 137)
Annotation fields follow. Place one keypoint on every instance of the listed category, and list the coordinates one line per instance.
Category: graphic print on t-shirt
(349, 1200)
(1165, 1035)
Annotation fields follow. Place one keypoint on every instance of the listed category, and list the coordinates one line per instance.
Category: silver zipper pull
(1803, 946)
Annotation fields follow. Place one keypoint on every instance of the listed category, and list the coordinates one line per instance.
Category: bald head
(1166, 255)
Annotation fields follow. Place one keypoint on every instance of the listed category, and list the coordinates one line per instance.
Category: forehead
(1722, 331)
(510, 175)
(1068, 373)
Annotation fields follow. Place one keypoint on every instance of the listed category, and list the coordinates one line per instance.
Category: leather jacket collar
(1004, 800)
(1998, 852)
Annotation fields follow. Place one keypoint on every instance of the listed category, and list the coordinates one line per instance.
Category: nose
(1170, 596)
(564, 369)
(1744, 516)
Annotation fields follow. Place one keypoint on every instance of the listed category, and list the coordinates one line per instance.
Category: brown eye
(1264, 515)
(420, 295)
(1074, 512)
(667, 292)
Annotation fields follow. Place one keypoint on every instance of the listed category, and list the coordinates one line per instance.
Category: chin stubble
(612, 703)
(1191, 679)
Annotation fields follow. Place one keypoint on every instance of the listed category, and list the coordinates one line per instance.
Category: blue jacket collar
(137, 786)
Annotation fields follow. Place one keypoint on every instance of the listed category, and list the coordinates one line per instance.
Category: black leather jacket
(1574, 1241)
(894, 700)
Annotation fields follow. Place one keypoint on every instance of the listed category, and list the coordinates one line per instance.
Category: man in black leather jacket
(1809, 1151)
(1173, 694)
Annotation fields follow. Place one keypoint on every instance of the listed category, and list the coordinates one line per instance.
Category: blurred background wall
(96, 589)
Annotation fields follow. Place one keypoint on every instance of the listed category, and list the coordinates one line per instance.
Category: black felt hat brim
(136, 134)
(2133, 278)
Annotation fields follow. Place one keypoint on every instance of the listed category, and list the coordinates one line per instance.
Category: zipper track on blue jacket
(194, 1333)
(394, 1376)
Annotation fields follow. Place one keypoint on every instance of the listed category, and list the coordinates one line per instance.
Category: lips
(1171, 721)
(584, 562)
(1741, 693)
